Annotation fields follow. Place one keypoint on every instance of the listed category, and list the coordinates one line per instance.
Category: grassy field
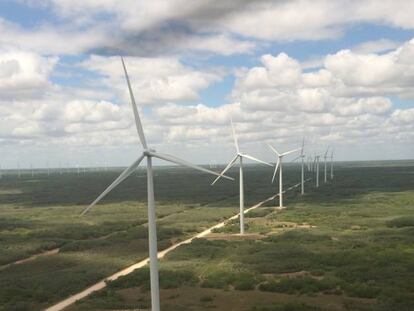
(347, 246)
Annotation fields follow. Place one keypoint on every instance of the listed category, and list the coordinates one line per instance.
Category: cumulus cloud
(24, 74)
(155, 80)
(341, 98)
(160, 27)
(403, 116)
(53, 39)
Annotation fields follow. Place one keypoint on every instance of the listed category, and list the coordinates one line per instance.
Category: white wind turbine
(239, 156)
(332, 152)
(317, 157)
(325, 157)
(302, 175)
(279, 164)
(152, 230)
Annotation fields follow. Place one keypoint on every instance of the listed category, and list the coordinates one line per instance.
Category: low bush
(222, 279)
(262, 212)
(168, 279)
(360, 290)
(206, 299)
(400, 222)
(302, 285)
(292, 306)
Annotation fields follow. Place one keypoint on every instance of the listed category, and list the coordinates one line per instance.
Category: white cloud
(375, 46)
(403, 116)
(53, 39)
(344, 101)
(24, 74)
(154, 80)
(139, 27)
(279, 71)
(362, 70)
(370, 105)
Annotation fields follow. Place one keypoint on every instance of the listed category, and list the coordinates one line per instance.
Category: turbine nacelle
(280, 158)
(238, 156)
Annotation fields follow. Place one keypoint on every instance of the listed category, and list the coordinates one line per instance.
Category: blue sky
(282, 63)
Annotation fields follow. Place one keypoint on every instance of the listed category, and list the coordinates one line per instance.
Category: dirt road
(98, 286)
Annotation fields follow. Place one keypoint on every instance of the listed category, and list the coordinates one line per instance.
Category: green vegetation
(349, 245)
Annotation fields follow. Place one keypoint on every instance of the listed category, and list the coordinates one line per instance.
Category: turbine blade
(231, 163)
(128, 171)
(255, 159)
(173, 159)
(234, 136)
(297, 158)
(291, 151)
(135, 109)
(276, 167)
(274, 150)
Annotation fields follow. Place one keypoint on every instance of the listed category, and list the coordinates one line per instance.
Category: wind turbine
(279, 163)
(302, 175)
(325, 156)
(317, 170)
(152, 229)
(239, 156)
(332, 152)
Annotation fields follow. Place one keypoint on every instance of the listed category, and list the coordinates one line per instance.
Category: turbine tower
(302, 175)
(332, 152)
(325, 157)
(279, 163)
(148, 153)
(239, 156)
(317, 170)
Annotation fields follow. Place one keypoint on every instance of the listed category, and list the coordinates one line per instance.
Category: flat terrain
(49, 252)
(346, 246)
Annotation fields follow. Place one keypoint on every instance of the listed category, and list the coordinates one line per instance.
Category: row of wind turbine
(149, 154)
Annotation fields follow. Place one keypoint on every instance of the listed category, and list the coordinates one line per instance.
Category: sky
(338, 73)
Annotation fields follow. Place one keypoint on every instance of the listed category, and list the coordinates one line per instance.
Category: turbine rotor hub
(148, 152)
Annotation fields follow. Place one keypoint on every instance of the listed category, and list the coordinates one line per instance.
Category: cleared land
(348, 246)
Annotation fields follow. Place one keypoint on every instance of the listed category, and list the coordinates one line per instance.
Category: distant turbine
(332, 152)
(152, 229)
(317, 170)
(279, 163)
(302, 175)
(325, 157)
(239, 156)
(18, 170)
(312, 163)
